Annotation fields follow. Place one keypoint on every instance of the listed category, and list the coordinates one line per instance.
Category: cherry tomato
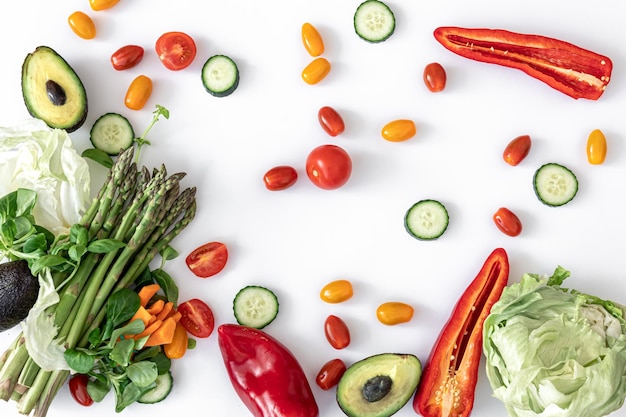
(197, 317)
(517, 150)
(435, 77)
(507, 222)
(138, 93)
(312, 40)
(280, 178)
(78, 389)
(330, 374)
(596, 147)
(208, 259)
(126, 57)
(98, 5)
(329, 167)
(331, 121)
(316, 71)
(176, 50)
(399, 130)
(82, 25)
(337, 332)
(394, 312)
(337, 291)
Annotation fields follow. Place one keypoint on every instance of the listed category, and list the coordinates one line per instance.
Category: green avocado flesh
(52, 90)
(18, 292)
(379, 385)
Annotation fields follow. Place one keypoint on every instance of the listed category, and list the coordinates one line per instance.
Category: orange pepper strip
(163, 335)
(147, 292)
(165, 311)
(178, 347)
(156, 307)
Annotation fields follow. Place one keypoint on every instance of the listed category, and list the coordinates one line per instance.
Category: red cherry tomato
(517, 150)
(435, 77)
(330, 374)
(329, 167)
(507, 222)
(208, 259)
(337, 332)
(197, 318)
(331, 121)
(126, 57)
(280, 178)
(78, 389)
(176, 50)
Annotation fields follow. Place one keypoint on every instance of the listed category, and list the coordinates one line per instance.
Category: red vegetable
(280, 178)
(568, 68)
(78, 389)
(448, 383)
(127, 57)
(331, 121)
(507, 222)
(208, 259)
(265, 374)
(197, 317)
(176, 50)
(516, 150)
(330, 374)
(337, 332)
(328, 166)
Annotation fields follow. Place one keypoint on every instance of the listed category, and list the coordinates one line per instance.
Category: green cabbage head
(554, 352)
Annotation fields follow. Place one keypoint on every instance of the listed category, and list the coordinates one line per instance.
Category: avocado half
(18, 293)
(52, 90)
(379, 385)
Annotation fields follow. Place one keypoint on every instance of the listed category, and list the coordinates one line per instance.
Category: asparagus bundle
(134, 217)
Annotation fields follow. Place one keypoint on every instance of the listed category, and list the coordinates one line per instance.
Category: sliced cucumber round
(555, 184)
(220, 75)
(112, 133)
(164, 383)
(374, 21)
(255, 306)
(426, 220)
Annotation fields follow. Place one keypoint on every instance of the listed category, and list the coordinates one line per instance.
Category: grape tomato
(312, 40)
(138, 93)
(435, 77)
(516, 150)
(331, 121)
(596, 147)
(316, 70)
(82, 25)
(98, 5)
(394, 312)
(399, 130)
(337, 291)
(280, 178)
(507, 222)
(330, 374)
(127, 57)
(78, 389)
(337, 332)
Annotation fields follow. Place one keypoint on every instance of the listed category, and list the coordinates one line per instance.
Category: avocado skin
(18, 292)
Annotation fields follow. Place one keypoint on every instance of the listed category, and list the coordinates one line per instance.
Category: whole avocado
(18, 292)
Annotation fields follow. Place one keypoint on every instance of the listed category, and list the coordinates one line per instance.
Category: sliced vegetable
(330, 374)
(280, 178)
(112, 133)
(516, 150)
(220, 75)
(312, 40)
(568, 68)
(208, 259)
(176, 50)
(331, 121)
(337, 332)
(164, 384)
(147, 292)
(98, 5)
(178, 346)
(316, 70)
(329, 167)
(138, 93)
(596, 147)
(426, 220)
(127, 57)
(507, 222)
(399, 130)
(555, 184)
(82, 25)
(374, 21)
(394, 312)
(337, 291)
(435, 77)
(255, 306)
(197, 317)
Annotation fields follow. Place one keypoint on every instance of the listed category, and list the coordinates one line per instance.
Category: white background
(295, 241)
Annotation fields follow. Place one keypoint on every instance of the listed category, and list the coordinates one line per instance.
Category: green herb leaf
(98, 389)
(143, 373)
(98, 156)
(80, 361)
(122, 351)
(129, 395)
(167, 283)
(105, 245)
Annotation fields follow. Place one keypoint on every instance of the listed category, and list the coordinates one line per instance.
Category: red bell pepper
(448, 383)
(575, 71)
(265, 374)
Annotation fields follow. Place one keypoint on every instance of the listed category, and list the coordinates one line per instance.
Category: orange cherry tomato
(516, 150)
(435, 77)
(507, 222)
(280, 178)
(331, 121)
(337, 291)
(138, 92)
(316, 71)
(82, 25)
(98, 5)
(312, 40)
(337, 332)
(596, 147)
(399, 130)
(394, 312)
(330, 374)
(126, 57)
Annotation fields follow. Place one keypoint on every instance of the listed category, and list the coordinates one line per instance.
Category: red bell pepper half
(265, 374)
(572, 70)
(448, 382)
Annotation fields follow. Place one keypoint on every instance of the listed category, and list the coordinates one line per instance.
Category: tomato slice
(197, 317)
(176, 50)
(208, 259)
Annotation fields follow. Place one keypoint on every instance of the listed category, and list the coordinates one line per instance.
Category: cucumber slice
(255, 306)
(555, 184)
(374, 21)
(112, 133)
(220, 75)
(426, 219)
(164, 383)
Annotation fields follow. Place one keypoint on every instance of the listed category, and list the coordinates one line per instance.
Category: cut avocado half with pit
(52, 90)
(18, 292)
(379, 385)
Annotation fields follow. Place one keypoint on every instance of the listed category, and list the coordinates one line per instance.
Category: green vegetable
(374, 21)
(112, 133)
(164, 384)
(18, 293)
(555, 184)
(426, 220)
(255, 306)
(552, 351)
(220, 75)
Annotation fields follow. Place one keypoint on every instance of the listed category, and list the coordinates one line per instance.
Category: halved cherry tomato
(517, 150)
(316, 70)
(394, 312)
(330, 374)
(435, 77)
(312, 40)
(337, 291)
(329, 166)
(82, 25)
(208, 259)
(596, 147)
(337, 332)
(176, 50)
(507, 222)
(78, 389)
(98, 5)
(138, 93)
(280, 178)
(331, 121)
(126, 57)
(399, 130)
(197, 317)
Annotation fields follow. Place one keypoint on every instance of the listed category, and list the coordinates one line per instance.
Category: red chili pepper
(265, 374)
(575, 71)
(448, 383)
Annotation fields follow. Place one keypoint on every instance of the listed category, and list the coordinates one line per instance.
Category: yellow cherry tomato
(98, 5)
(394, 312)
(82, 25)
(138, 92)
(596, 147)
(337, 291)
(399, 130)
(316, 71)
(312, 40)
